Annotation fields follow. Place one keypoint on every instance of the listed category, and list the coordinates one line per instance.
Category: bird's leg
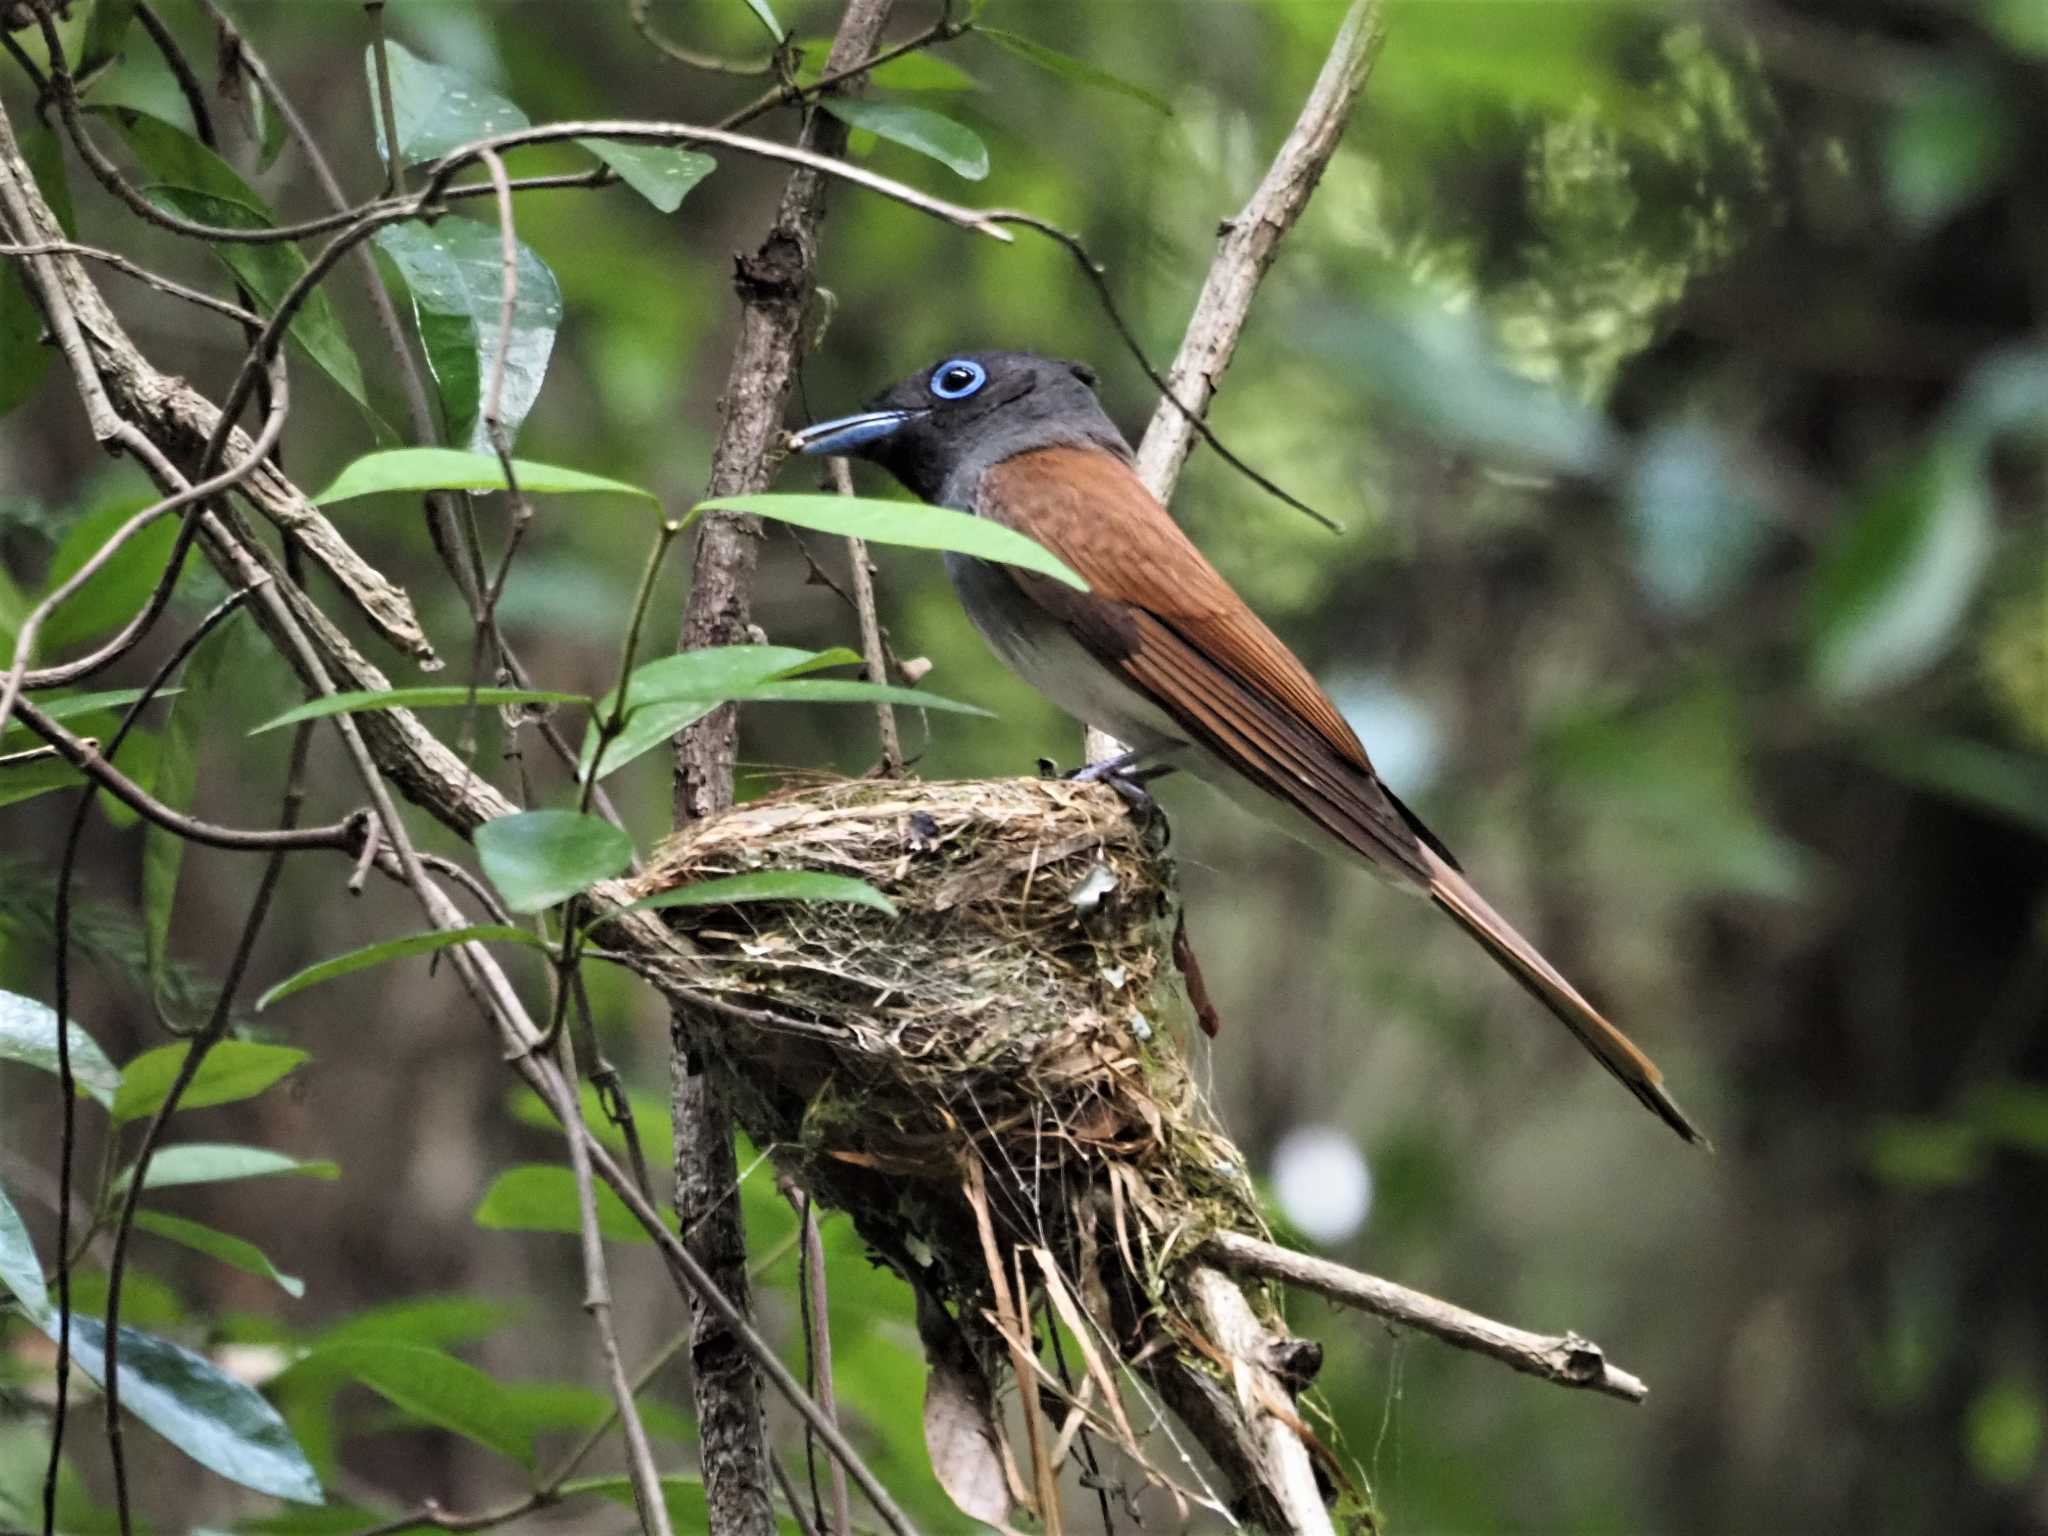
(1122, 774)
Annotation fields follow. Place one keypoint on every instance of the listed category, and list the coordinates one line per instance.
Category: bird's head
(937, 430)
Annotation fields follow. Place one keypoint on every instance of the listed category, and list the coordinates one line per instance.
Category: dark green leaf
(1080, 71)
(1898, 579)
(20, 1270)
(537, 858)
(435, 1320)
(28, 1034)
(105, 32)
(186, 177)
(767, 19)
(24, 779)
(455, 273)
(660, 173)
(541, 1197)
(1949, 144)
(953, 145)
(217, 1162)
(177, 772)
(229, 1249)
(23, 357)
(923, 70)
(220, 1423)
(113, 593)
(436, 108)
(436, 1388)
(1990, 778)
(700, 677)
(908, 523)
(452, 469)
(232, 1070)
(432, 696)
(71, 705)
(770, 885)
(395, 949)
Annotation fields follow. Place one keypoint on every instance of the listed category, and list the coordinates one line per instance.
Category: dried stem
(870, 631)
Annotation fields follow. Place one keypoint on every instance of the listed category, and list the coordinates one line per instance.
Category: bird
(1160, 651)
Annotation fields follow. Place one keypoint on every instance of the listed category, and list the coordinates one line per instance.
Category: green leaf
(2005, 1430)
(233, 1070)
(1948, 145)
(433, 696)
(105, 31)
(229, 1249)
(23, 357)
(452, 469)
(71, 705)
(435, 108)
(1923, 1153)
(20, 1270)
(113, 593)
(435, 1320)
(681, 1494)
(923, 70)
(395, 949)
(660, 173)
(703, 678)
(1896, 581)
(541, 1197)
(28, 1034)
(219, 1422)
(218, 1162)
(455, 273)
(436, 1388)
(649, 725)
(769, 885)
(537, 858)
(187, 178)
(953, 145)
(1080, 71)
(177, 774)
(1978, 774)
(767, 19)
(908, 523)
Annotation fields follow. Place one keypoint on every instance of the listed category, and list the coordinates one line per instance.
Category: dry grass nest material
(994, 1071)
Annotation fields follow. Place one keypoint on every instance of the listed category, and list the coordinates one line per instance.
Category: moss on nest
(1022, 1012)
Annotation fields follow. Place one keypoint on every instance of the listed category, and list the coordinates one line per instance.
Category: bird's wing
(1158, 614)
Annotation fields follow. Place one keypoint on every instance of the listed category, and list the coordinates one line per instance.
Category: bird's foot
(1122, 774)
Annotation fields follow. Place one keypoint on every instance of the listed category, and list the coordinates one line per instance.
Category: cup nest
(991, 1081)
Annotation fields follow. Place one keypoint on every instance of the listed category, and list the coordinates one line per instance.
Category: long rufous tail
(1451, 891)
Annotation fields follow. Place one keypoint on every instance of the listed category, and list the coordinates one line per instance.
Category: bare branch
(1567, 1360)
(870, 630)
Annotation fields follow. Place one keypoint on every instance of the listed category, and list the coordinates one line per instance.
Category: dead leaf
(960, 1437)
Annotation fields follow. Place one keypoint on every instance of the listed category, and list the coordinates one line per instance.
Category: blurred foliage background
(1679, 372)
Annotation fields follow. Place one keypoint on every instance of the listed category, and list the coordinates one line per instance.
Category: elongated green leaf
(72, 705)
(908, 523)
(537, 858)
(455, 273)
(236, 1252)
(441, 696)
(23, 357)
(436, 108)
(651, 724)
(660, 173)
(923, 70)
(1080, 71)
(219, 1422)
(232, 1070)
(177, 773)
(187, 178)
(711, 673)
(436, 1388)
(453, 469)
(20, 1270)
(767, 19)
(952, 144)
(541, 1197)
(396, 949)
(105, 31)
(28, 1034)
(1897, 581)
(111, 594)
(218, 1162)
(770, 885)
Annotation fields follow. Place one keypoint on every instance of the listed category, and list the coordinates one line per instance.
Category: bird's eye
(958, 379)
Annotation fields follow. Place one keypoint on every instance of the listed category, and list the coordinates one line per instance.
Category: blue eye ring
(958, 378)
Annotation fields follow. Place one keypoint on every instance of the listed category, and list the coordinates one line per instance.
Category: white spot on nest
(1095, 885)
(1322, 1182)
(1139, 1026)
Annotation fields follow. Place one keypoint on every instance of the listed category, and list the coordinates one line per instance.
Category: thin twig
(1567, 1360)
(817, 1303)
(695, 59)
(137, 271)
(870, 630)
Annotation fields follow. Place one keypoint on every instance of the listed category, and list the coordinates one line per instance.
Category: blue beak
(849, 434)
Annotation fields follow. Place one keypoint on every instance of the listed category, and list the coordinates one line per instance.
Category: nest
(991, 1081)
